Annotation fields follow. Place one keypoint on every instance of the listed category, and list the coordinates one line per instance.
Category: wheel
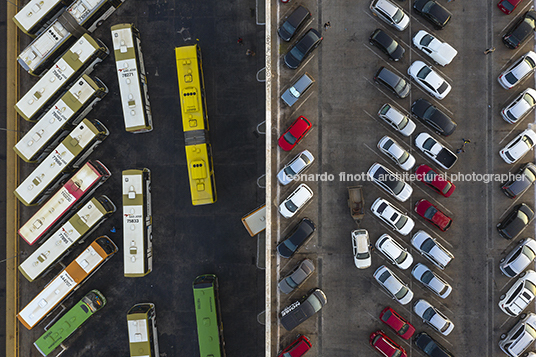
(503, 336)
(502, 297)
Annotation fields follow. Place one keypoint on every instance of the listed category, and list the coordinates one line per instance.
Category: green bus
(208, 315)
(68, 323)
(142, 333)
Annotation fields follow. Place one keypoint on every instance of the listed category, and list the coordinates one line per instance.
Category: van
(291, 95)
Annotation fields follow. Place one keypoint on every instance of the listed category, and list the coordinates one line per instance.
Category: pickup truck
(436, 151)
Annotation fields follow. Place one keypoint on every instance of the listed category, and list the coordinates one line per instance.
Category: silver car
(297, 277)
(431, 249)
(390, 13)
(395, 152)
(361, 248)
(431, 280)
(519, 258)
(393, 285)
(520, 107)
(394, 252)
(433, 317)
(520, 294)
(520, 337)
(296, 166)
(390, 182)
(396, 119)
(291, 95)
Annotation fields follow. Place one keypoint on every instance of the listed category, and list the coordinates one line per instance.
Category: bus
(36, 15)
(142, 333)
(132, 78)
(72, 195)
(208, 315)
(67, 281)
(55, 248)
(62, 116)
(82, 17)
(137, 223)
(70, 322)
(195, 125)
(68, 155)
(79, 59)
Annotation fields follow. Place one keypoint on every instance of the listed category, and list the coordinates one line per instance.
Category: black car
(521, 30)
(430, 346)
(293, 23)
(520, 216)
(393, 81)
(434, 117)
(305, 45)
(433, 12)
(521, 181)
(386, 44)
(299, 235)
(301, 310)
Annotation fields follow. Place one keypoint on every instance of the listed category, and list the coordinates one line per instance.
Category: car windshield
(528, 141)
(291, 282)
(426, 8)
(403, 329)
(509, 156)
(398, 16)
(443, 87)
(425, 40)
(364, 255)
(403, 123)
(530, 62)
(530, 286)
(401, 222)
(288, 27)
(290, 138)
(386, 315)
(392, 47)
(400, 85)
(297, 53)
(404, 157)
(429, 112)
(511, 78)
(427, 245)
(529, 99)
(385, 109)
(390, 181)
(315, 303)
(288, 243)
(511, 116)
(388, 143)
(428, 314)
(291, 206)
(401, 293)
(447, 188)
(288, 171)
(507, 5)
(531, 331)
(397, 353)
(428, 143)
(423, 73)
(429, 177)
(445, 327)
(430, 213)
(427, 277)
(294, 92)
(528, 252)
(401, 258)
(305, 159)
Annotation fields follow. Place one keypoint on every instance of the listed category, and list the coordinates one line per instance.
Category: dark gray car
(521, 182)
(305, 45)
(293, 23)
(291, 95)
(297, 277)
(301, 310)
(394, 82)
(435, 118)
(299, 235)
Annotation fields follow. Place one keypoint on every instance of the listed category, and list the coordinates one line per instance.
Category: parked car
(431, 249)
(433, 317)
(430, 347)
(518, 147)
(386, 44)
(399, 324)
(361, 248)
(435, 151)
(521, 181)
(433, 12)
(440, 52)
(432, 214)
(396, 119)
(298, 236)
(297, 348)
(507, 6)
(296, 166)
(431, 280)
(395, 152)
(429, 79)
(521, 30)
(520, 294)
(521, 69)
(390, 13)
(389, 182)
(301, 310)
(292, 136)
(293, 23)
(291, 95)
(431, 178)
(297, 276)
(433, 117)
(398, 85)
(385, 345)
(295, 201)
(520, 337)
(516, 221)
(393, 285)
(520, 107)
(394, 252)
(519, 258)
(389, 214)
(303, 48)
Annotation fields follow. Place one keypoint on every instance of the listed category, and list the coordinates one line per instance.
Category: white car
(441, 52)
(388, 213)
(520, 107)
(299, 164)
(361, 248)
(390, 13)
(295, 201)
(387, 180)
(397, 120)
(396, 153)
(435, 151)
(433, 317)
(521, 68)
(393, 285)
(520, 337)
(394, 252)
(431, 249)
(520, 294)
(431, 280)
(429, 79)
(518, 147)
(519, 258)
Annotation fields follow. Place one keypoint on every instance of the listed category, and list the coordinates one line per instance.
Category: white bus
(62, 116)
(137, 223)
(132, 78)
(80, 58)
(55, 248)
(36, 15)
(59, 164)
(81, 17)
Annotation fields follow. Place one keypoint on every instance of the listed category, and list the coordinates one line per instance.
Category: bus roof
(33, 12)
(133, 223)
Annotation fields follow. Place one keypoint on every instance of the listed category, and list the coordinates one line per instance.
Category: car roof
(387, 6)
(388, 76)
(298, 15)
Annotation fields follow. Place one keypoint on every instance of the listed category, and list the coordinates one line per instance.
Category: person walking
(240, 41)
(250, 53)
(327, 25)
(489, 50)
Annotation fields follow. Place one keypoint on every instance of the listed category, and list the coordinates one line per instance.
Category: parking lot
(342, 107)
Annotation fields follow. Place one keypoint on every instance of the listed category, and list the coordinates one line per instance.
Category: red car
(430, 177)
(433, 215)
(507, 6)
(401, 326)
(385, 345)
(294, 133)
(298, 348)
